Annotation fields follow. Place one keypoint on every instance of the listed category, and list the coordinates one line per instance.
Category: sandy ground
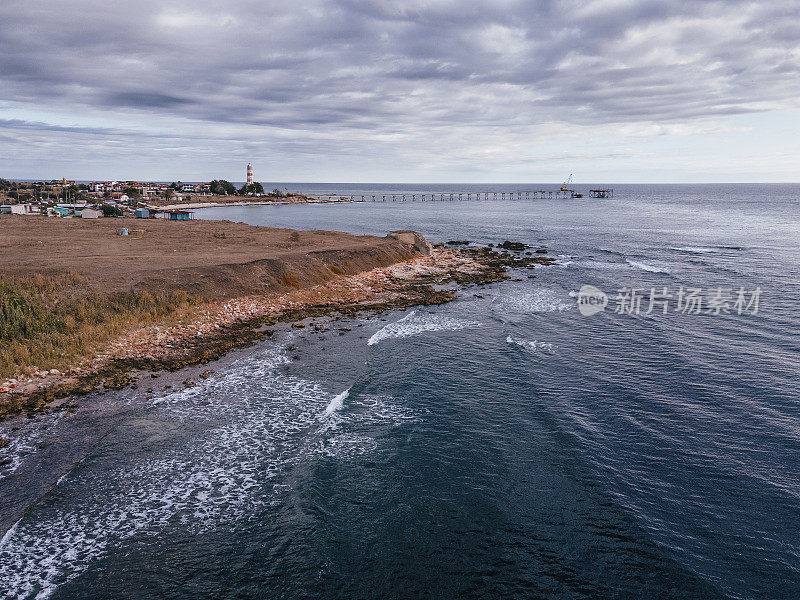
(214, 259)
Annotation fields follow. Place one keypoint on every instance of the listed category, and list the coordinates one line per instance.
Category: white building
(17, 209)
(91, 213)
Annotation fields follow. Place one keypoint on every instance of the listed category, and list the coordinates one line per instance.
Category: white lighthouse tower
(249, 174)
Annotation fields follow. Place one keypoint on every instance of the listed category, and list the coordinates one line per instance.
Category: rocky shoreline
(214, 328)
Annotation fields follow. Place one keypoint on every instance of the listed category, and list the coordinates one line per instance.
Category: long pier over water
(444, 196)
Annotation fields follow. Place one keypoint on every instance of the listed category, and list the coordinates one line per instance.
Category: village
(68, 198)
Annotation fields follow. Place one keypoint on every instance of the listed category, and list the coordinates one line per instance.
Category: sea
(519, 442)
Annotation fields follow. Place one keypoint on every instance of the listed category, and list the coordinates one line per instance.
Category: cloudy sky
(401, 90)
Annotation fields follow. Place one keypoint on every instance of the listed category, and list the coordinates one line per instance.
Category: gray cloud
(408, 68)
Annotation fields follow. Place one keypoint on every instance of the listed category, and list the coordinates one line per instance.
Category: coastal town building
(91, 213)
(17, 209)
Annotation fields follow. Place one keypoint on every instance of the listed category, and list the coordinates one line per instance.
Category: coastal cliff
(212, 260)
(82, 306)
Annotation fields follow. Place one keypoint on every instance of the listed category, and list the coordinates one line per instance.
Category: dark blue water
(503, 445)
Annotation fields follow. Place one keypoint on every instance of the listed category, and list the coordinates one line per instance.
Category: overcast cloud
(434, 90)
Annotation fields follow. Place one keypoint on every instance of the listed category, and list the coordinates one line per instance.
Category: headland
(84, 307)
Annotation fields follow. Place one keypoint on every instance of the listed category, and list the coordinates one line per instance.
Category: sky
(401, 90)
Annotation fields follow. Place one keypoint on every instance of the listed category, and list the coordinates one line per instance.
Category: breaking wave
(540, 300)
(645, 267)
(337, 403)
(564, 260)
(23, 441)
(232, 441)
(695, 249)
(413, 324)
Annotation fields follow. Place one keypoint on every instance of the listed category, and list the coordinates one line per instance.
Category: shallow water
(502, 445)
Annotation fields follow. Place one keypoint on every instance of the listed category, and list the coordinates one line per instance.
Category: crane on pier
(565, 187)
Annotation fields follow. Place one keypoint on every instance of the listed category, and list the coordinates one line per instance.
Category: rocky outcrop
(416, 240)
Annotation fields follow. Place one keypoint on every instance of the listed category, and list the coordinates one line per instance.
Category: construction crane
(565, 187)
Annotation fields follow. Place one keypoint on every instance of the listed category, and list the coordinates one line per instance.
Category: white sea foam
(541, 300)
(645, 267)
(564, 260)
(230, 443)
(696, 249)
(24, 441)
(532, 345)
(337, 403)
(415, 324)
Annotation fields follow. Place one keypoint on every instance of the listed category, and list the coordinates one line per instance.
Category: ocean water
(500, 446)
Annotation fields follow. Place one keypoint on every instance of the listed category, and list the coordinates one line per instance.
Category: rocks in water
(458, 242)
(541, 251)
(117, 381)
(517, 246)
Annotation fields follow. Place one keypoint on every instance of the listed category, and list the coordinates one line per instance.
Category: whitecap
(413, 324)
(337, 403)
(541, 300)
(564, 260)
(645, 267)
(695, 249)
(533, 345)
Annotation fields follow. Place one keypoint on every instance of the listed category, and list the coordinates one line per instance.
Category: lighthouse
(249, 174)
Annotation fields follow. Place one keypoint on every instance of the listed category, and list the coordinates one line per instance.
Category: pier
(445, 196)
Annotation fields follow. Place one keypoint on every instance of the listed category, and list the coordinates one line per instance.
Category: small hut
(91, 213)
(180, 215)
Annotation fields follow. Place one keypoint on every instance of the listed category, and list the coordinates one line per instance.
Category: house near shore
(17, 209)
(171, 214)
(90, 213)
(65, 209)
(180, 215)
(142, 213)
